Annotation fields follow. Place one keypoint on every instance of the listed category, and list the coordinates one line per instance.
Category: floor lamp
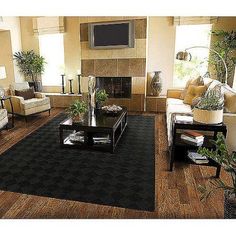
(186, 56)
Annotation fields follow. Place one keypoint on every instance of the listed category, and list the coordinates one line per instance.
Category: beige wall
(160, 44)
(6, 58)
(74, 50)
(161, 49)
(12, 40)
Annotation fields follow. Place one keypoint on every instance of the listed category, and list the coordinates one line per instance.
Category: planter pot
(37, 85)
(208, 117)
(79, 118)
(99, 105)
(229, 205)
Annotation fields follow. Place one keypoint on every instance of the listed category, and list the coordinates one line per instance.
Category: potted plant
(225, 44)
(76, 110)
(101, 97)
(31, 65)
(227, 160)
(209, 109)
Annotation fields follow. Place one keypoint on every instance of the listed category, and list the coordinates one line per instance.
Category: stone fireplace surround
(129, 62)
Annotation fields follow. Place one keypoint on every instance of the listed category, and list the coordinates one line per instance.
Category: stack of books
(192, 137)
(197, 158)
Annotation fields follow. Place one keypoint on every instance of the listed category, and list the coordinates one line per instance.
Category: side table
(12, 110)
(179, 146)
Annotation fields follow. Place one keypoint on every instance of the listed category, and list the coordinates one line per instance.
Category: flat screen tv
(119, 34)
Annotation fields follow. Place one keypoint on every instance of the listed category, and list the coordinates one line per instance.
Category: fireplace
(116, 87)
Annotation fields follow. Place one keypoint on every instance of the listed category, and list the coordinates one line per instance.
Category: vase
(229, 205)
(156, 83)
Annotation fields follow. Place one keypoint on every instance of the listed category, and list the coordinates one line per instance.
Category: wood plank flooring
(176, 192)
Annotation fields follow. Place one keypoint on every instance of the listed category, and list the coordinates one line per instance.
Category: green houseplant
(76, 110)
(31, 65)
(209, 109)
(227, 160)
(225, 44)
(101, 97)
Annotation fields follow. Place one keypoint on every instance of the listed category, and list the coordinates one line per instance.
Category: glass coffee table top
(100, 119)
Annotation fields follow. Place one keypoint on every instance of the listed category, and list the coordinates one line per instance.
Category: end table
(177, 143)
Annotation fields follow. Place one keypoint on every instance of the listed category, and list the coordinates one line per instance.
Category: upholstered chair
(26, 107)
(3, 118)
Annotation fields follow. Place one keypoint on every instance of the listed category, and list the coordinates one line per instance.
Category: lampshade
(3, 72)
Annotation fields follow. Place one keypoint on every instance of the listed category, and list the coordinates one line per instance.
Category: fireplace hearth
(116, 87)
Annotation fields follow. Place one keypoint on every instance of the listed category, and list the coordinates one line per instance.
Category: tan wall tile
(140, 28)
(105, 67)
(83, 32)
(123, 67)
(87, 67)
(137, 67)
(138, 85)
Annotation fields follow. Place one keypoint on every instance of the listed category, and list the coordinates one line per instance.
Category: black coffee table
(100, 132)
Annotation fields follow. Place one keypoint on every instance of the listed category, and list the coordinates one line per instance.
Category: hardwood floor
(176, 192)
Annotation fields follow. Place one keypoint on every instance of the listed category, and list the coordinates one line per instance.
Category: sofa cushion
(194, 92)
(35, 102)
(197, 81)
(26, 93)
(174, 101)
(174, 106)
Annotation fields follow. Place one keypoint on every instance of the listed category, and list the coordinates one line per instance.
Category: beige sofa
(39, 103)
(174, 104)
(3, 118)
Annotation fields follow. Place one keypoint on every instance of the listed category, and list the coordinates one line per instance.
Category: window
(188, 36)
(52, 49)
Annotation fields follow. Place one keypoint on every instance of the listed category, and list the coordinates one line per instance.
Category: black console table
(180, 147)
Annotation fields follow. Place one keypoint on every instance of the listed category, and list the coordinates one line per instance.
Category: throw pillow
(194, 92)
(197, 81)
(230, 102)
(26, 93)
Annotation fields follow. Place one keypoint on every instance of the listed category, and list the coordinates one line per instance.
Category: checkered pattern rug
(37, 165)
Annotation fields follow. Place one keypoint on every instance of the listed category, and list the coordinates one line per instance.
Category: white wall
(12, 23)
(161, 49)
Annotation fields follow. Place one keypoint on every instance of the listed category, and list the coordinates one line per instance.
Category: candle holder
(62, 84)
(71, 90)
(79, 85)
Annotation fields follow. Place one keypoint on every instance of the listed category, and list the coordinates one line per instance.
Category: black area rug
(37, 165)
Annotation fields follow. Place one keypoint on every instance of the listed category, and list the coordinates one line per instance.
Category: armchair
(40, 103)
(3, 118)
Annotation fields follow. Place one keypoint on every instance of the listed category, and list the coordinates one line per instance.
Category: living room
(114, 117)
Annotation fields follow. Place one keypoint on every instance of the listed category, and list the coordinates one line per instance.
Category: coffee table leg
(61, 136)
(112, 141)
(218, 168)
(90, 139)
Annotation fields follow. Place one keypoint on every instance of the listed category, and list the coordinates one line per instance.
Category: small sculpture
(91, 94)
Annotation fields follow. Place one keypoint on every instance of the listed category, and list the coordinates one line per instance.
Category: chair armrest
(39, 95)
(16, 103)
(174, 93)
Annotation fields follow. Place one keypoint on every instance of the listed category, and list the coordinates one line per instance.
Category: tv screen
(111, 35)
